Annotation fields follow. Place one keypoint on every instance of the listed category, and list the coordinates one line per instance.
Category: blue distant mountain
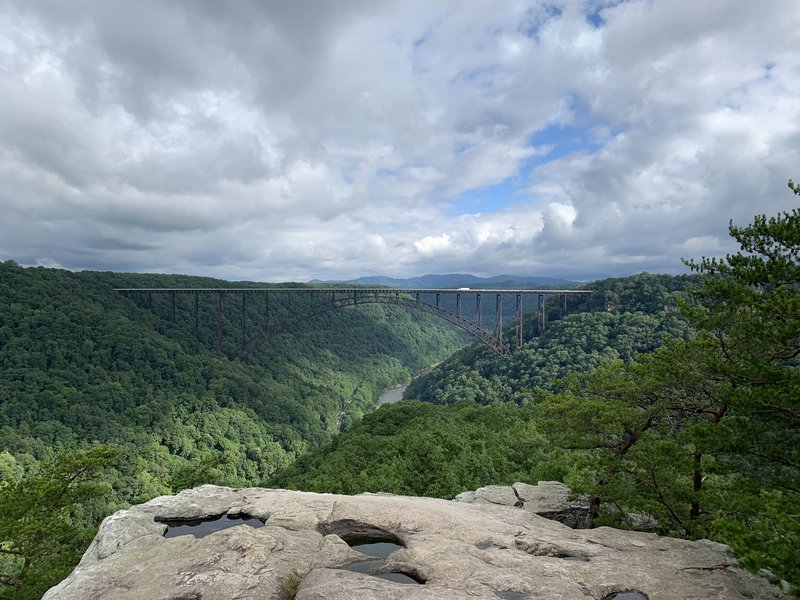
(457, 280)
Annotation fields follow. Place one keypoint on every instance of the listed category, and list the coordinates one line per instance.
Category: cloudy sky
(273, 140)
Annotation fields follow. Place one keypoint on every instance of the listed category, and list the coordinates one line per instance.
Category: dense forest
(675, 398)
(107, 387)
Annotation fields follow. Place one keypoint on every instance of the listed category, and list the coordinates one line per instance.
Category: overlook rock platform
(451, 550)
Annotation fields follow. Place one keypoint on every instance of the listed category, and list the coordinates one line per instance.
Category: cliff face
(446, 549)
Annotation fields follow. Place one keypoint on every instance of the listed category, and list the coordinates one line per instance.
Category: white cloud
(432, 245)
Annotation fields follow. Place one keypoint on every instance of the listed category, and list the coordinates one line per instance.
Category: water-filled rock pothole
(379, 550)
(626, 595)
(511, 595)
(200, 528)
(573, 558)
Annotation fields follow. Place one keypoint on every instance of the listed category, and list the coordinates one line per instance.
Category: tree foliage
(44, 527)
(415, 448)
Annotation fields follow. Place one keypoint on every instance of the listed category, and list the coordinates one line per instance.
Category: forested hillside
(418, 449)
(82, 365)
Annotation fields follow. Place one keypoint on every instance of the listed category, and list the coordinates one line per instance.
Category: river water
(388, 396)
(391, 395)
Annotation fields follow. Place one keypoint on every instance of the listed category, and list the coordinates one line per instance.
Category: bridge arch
(487, 338)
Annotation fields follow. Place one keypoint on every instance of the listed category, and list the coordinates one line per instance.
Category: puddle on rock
(364, 566)
(398, 578)
(509, 595)
(627, 595)
(202, 527)
(572, 558)
(378, 550)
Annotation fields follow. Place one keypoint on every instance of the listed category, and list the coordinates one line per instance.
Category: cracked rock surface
(549, 499)
(457, 549)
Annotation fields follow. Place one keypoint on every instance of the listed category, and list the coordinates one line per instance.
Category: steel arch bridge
(324, 299)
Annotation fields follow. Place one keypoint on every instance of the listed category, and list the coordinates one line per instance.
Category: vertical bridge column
(172, 306)
(244, 313)
(478, 311)
(197, 315)
(219, 322)
(498, 318)
(458, 305)
(519, 320)
(541, 314)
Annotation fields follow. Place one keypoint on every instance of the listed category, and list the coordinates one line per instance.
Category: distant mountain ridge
(456, 280)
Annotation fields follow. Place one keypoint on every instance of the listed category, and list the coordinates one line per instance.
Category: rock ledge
(457, 549)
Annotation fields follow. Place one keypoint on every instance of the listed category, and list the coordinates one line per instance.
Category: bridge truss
(445, 303)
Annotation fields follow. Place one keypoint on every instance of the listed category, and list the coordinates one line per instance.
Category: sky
(285, 141)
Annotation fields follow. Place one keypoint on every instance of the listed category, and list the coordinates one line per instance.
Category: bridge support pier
(541, 314)
(172, 307)
(219, 323)
(197, 315)
(498, 318)
(244, 319)
(519, 320)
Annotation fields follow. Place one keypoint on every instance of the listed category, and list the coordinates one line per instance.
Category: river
(391, 395)
(388, 396)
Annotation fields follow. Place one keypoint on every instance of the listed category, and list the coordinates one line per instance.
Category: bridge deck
(344, 290)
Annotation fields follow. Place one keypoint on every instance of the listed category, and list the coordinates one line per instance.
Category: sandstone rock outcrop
(548, 499)
(453, 549)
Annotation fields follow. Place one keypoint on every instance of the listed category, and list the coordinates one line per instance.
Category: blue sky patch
(563, 141)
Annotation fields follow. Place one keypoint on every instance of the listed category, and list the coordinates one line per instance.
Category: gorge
(108, 404)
